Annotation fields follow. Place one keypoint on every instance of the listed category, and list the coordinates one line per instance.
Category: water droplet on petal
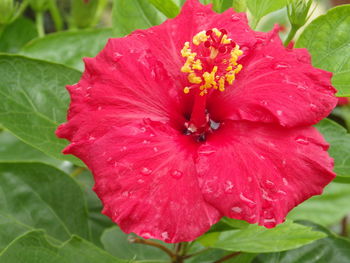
(269, 222)
(176, 174)
(302, 140)
(155, 149)
(250, 203)
(285, 181)
(229, 187)
(117, 56)
(313, 107)
(269, 184)
(165, 236)
(140, 181)
(235, 18)
(146, 235)
(281, 192)
(146, 142)
(279, 112)
(281, 65)
(264, 103)
(146, 171)
(302, 87)
(236, 209)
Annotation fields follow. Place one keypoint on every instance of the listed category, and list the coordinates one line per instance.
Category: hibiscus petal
(276, 85)
(259, 172)
(146, 179)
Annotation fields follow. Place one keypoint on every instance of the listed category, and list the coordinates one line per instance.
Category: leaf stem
(153, 244)
(56, 16)
(344, 226)
(39, 21)
(291, 35)
(99, 11)
(229, 256)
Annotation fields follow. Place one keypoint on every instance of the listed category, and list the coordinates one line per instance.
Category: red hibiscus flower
(200, 118)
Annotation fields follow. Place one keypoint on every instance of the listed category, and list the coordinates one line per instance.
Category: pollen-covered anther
(213, 69)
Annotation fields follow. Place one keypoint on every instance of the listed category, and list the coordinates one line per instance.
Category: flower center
(211, 64)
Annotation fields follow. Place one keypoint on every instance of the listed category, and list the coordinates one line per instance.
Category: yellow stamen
(194, 79)
(199, 38)
(222, 72)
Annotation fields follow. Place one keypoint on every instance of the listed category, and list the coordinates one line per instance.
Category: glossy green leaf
(339, 141)
(326, 209)
(239, 5)
(69, 47)
(116, 242)
(167, 7)
(97, 221)
(13, 150)
(35, 101)
(40, 196)
(327, 250)
(16, 35)
(35, 247)
(328, 40)
(260, 8)
(257, 239)
(129, 15)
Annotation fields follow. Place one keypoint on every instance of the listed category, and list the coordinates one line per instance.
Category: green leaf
(260, 8)
(239, 5)
(17, 35)
(217, 5)
(326, 209)
(257, 239)
(40, 196)
(69, 47)
(331, 249)
(167, 7)
(34, 101)
(97, 221)
(14, 150)
(116, 243)
(129, 15)
(34, 247)
(339, 140)
(328, 40)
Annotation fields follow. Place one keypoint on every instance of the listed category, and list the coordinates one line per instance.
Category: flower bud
(7, 11)
(298, 12)
(83, 13)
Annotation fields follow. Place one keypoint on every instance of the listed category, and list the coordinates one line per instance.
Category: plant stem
(291, 35)
(196, 253)
(344, 226)
(39, 21)
(153, 244)
(99, 11)
(229, 256)
(56, 16)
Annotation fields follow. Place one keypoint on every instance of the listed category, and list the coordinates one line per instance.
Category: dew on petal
(146, 171)
(235, 18)
(229, 187)
(176, 174)
(146, 142)
(269, 184)
(250, 203)
(269, 222)
(285, 181)
(280, 65)
(236, 209)
(165, 235)
(302, 140)
(140, 181)
(313, 107)
(146, 235)
(264, 102)
(155, 149)
(279, 112)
